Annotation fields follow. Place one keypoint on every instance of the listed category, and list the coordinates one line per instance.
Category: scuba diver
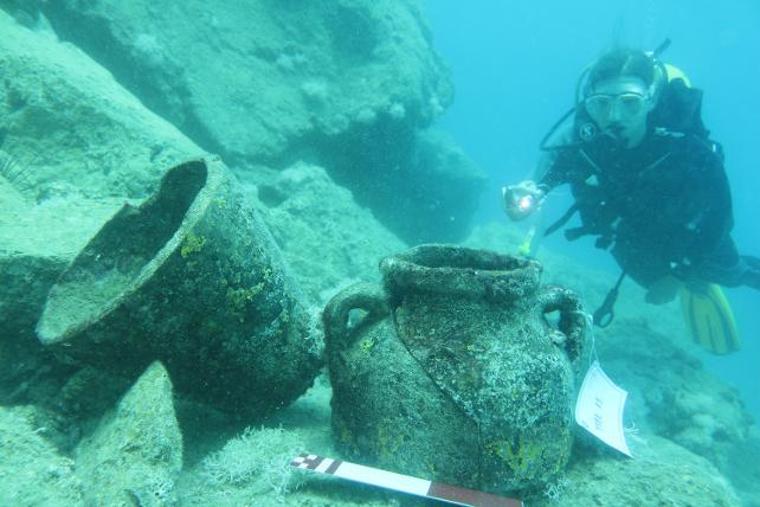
(650, 185)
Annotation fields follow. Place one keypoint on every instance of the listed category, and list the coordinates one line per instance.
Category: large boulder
(422, 186)
(259, 79)
(345, 84)
(37, 241)
(71, 128)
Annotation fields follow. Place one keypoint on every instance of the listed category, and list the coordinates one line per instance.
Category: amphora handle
(572, 318)
(361, 296)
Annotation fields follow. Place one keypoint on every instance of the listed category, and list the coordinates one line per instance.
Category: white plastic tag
(600, 407)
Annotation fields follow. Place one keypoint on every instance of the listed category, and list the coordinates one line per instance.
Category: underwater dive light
(526, 203)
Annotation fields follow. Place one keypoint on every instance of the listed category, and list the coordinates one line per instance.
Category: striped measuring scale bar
(402, 483)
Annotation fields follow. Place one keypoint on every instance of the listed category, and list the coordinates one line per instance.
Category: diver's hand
(522, 200)
(663, 290)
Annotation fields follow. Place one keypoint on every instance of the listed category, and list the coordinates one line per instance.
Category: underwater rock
(672, 395)
(443, 182)
(191, 277)
(31, 471)
(135, 455)
(660, 473)
(72, 128)
(37, 241)
(453, 372)
(36, 244)
(347, 85)
(421, 186)
(26, 12)
(308, 69)
(325, 236)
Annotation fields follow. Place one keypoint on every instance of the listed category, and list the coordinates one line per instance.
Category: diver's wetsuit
(663, 207)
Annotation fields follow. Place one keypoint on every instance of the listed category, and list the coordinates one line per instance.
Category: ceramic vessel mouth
(125, 253)
(453, 269)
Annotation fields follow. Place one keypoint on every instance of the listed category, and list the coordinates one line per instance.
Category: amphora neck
(459, 271)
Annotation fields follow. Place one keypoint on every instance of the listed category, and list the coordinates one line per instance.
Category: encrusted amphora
(460, 367)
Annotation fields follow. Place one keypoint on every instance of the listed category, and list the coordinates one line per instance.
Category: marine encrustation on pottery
(193, 278)
(461, 368)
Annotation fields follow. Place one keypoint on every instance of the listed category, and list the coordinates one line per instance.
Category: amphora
(193, 278)
(460, 367)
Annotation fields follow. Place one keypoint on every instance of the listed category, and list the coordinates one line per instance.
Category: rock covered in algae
(72, 128)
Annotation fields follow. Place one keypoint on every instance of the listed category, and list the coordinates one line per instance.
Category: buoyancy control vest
(601, 182)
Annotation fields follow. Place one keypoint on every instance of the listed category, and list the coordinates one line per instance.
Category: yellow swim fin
(709, 317)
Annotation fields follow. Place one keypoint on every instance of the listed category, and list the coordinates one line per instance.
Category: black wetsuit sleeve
(554, 165)
(553, 170)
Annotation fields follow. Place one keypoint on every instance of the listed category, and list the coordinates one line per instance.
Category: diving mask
(626, 105)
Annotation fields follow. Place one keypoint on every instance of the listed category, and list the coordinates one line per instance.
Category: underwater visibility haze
(256, 253)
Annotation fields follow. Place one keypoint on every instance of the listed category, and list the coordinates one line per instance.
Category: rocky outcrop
(345, 84)
(258, 80)
(71, 129)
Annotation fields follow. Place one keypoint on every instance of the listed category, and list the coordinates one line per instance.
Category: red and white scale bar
(403, 483)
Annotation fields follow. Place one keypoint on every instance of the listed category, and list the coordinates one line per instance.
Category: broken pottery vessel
(192, 278)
